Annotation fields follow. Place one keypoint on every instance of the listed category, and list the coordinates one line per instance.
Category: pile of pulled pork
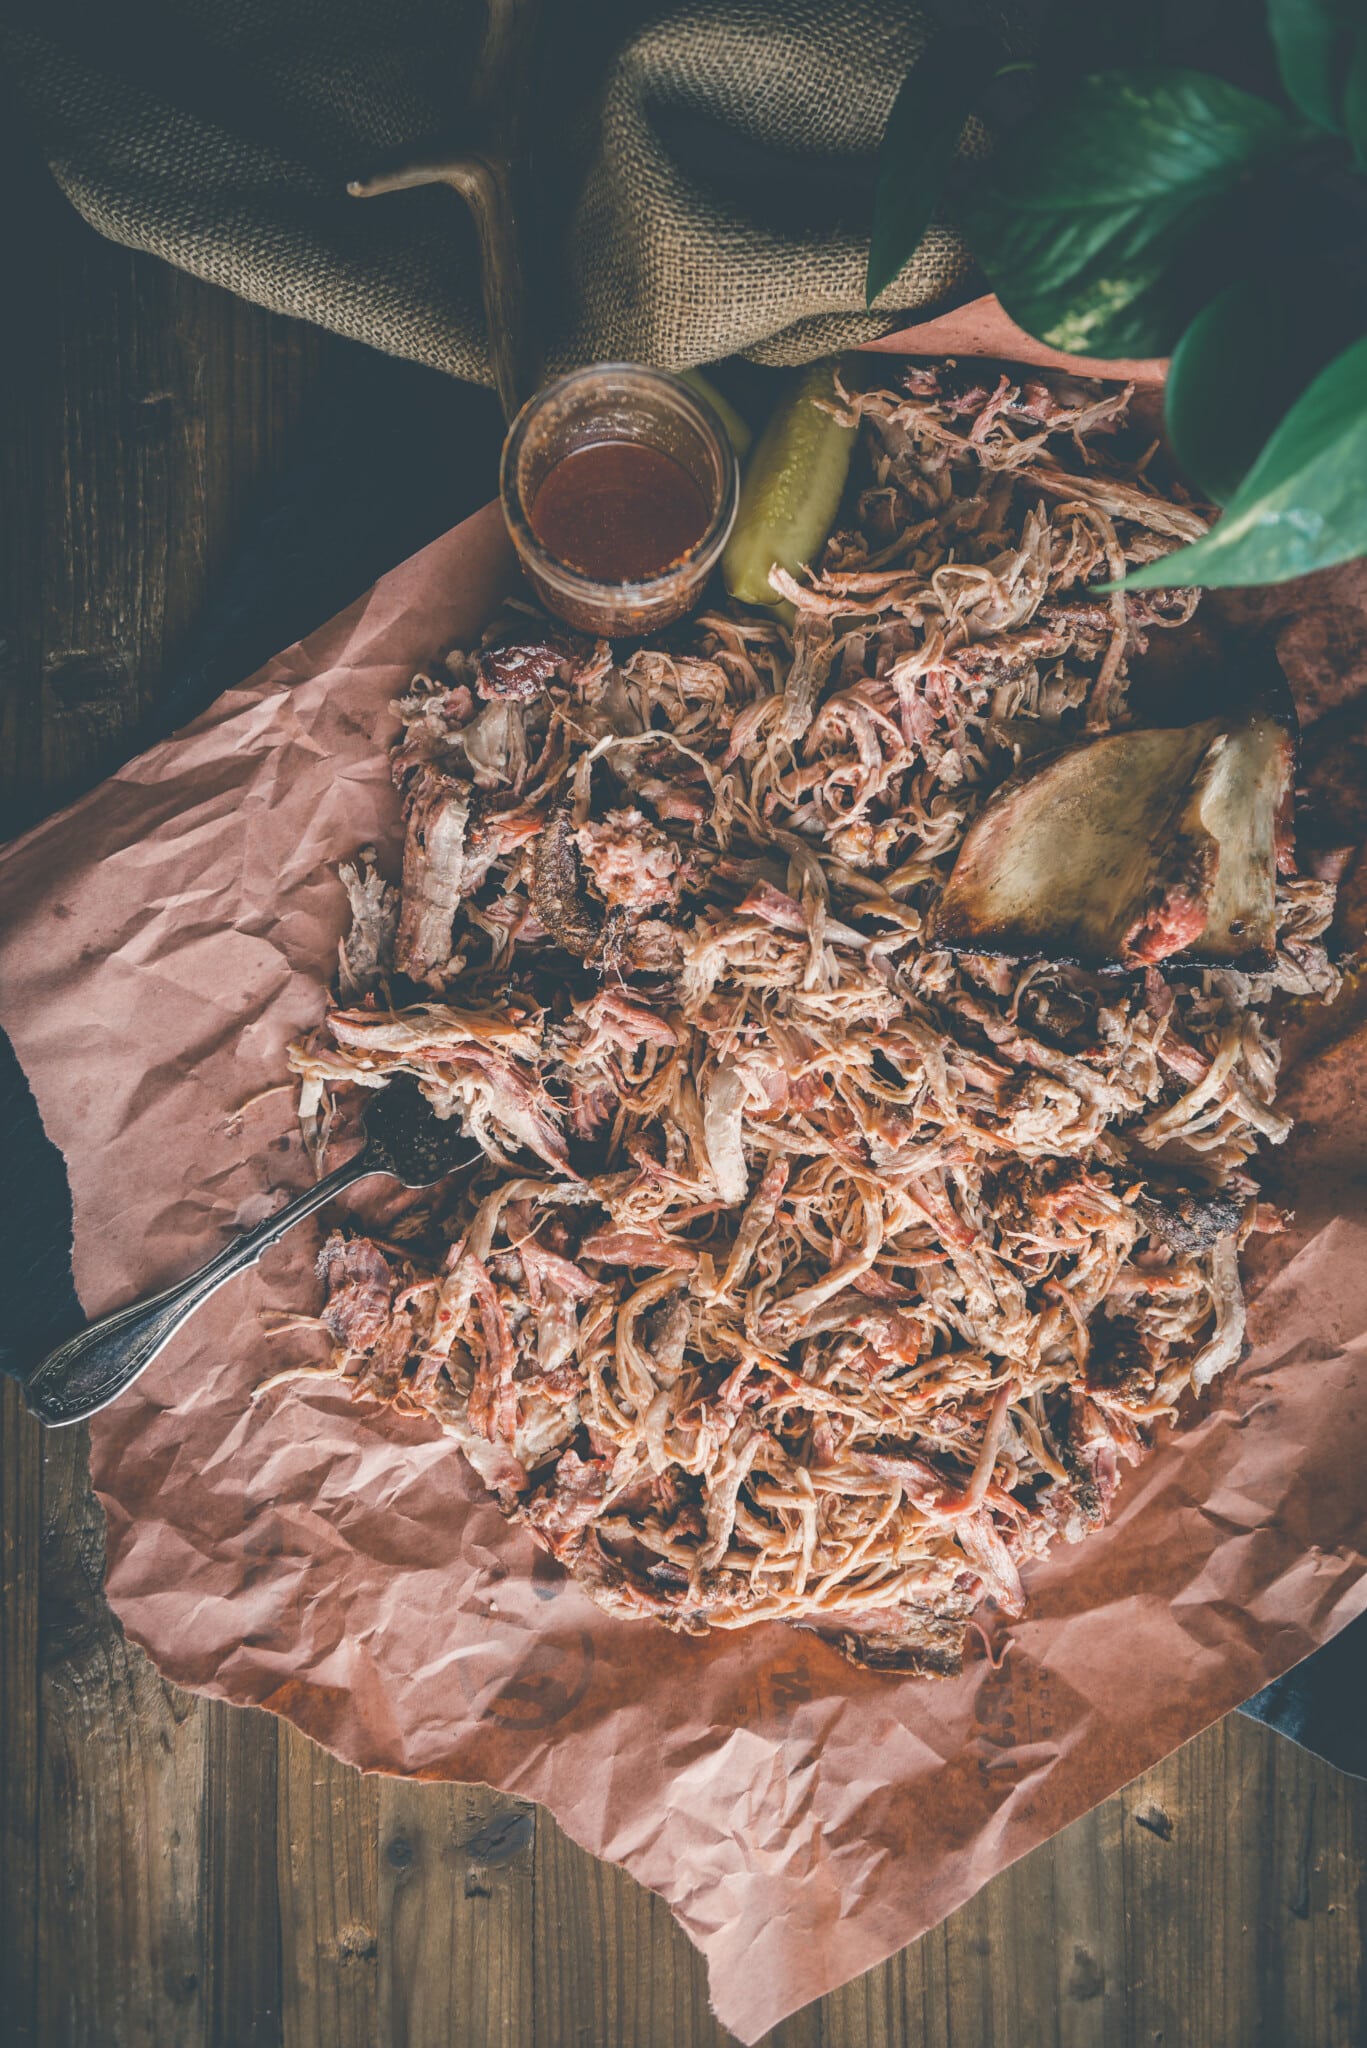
(816, 1273)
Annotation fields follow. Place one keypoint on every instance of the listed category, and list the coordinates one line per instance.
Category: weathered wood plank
(327, 1834)
(1087, 1986)
(609, 1962)
(121, 1757)
(241, 1896)
(612, 1964)
(456, 1867)
(1243, 1882)
(1312, 1898)
(1165, 1916)
(149, 1819)
(20, 1536)
(1190, 1827)
(121, 1775)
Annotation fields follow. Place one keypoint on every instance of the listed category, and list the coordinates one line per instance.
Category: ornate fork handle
(87, 1372)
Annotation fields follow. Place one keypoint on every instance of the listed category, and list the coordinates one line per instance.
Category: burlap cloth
(706, 171)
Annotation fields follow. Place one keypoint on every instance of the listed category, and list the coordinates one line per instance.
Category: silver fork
(404, 1138)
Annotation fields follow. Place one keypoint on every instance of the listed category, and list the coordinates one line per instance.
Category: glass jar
(615, 402)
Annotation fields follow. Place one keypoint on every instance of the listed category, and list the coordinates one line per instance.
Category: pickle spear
(791, 488)
(737, 430)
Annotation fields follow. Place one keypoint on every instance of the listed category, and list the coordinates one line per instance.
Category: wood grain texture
(121, 1950)
(610, 1965)
(456, 1867)
(326, 1849)
(180, 1875)
(241, 1927)
(20, 1547)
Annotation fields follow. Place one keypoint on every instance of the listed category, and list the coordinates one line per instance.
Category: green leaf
(1099, 213)
(1302, 506)
(1312, 38)
(922, 134)
(1241, 365)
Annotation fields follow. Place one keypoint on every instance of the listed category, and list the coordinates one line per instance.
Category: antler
(491, 176)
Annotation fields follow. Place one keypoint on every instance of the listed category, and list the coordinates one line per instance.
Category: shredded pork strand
(815, 1275)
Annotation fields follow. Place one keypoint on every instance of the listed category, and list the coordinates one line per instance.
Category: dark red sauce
(618, 510)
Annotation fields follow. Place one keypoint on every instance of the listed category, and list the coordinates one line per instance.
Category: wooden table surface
(179, 1873)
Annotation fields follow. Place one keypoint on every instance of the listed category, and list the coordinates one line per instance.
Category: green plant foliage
(1241, 365)
(1149, 209)
(922, 134)
(1313, 40)
(1094, 222)
(1303, 504)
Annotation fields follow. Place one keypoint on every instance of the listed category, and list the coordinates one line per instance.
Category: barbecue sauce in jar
(619, 511)
(619, 488)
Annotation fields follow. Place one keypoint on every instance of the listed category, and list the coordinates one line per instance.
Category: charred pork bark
(1129, 849)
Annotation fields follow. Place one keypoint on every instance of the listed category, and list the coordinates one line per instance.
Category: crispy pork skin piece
(1130, 849)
